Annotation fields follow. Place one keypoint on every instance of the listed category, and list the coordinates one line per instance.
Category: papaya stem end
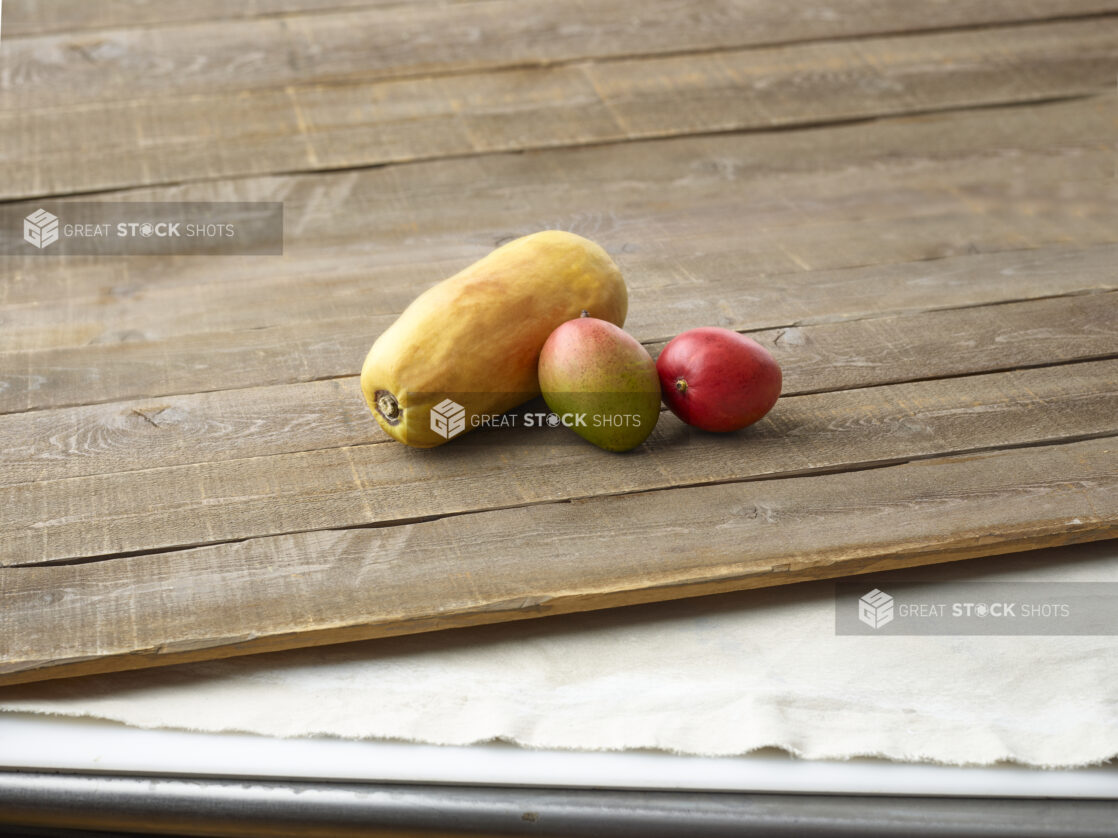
(388, 407)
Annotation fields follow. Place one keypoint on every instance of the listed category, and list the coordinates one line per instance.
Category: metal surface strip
(171, 806)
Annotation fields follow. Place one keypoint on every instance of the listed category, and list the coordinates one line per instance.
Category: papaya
(469, 347)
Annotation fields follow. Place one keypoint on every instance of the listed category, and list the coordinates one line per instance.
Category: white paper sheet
(31, 742)
(713, 676)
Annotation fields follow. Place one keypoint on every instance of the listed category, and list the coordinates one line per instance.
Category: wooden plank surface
(332, 586)
(914, 205)
(248, 50)
(889, 191)
(329, 348)
(33, 17)
(380, 484)
(133, 330)
(258, 421)
(306, 128)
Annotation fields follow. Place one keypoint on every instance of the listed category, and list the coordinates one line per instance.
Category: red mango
(717, 379)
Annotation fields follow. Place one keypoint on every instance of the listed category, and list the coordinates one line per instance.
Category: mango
(601, 383)
(469, 347)
(718, 380)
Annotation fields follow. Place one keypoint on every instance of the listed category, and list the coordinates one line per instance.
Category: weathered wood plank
(310, 350)
(33, 17)
(888, 191)
(706, 256)
(327, 587)
(384, 484)
(869, 194)
(303, 127)
(260, 421)
(249, 52)
(224, 425)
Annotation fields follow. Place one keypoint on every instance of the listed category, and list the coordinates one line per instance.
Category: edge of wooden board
(949, 509)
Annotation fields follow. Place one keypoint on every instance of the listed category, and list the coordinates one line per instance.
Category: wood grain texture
(888, 191)
(199, 427)
(327, 587)
(744, 207)
(301, 127)
(287, 418)
(33, 17)
(187, 469)
(381, 484)
(249, 52)
(311, 350)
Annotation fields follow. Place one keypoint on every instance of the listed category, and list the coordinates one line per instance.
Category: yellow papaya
(469, 347)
